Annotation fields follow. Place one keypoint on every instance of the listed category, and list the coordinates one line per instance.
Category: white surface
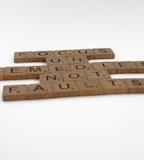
(81, 128)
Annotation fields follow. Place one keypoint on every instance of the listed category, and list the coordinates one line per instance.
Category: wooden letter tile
(63, 53)
(135, 85)
(50, 77)
(59, 68)
(40, 56)
(14, 73)
(104, 65)
(98, 74)
(23, 57)
(103, 53)
(1, 73)
(65, 89)
(56, 60)
(81, 67)
(40, 91)
(33, 72)
(140, 66)
(74, 76)
(87, 52)
(125, 67)
(89, 87)
(77, 59)
(15, 92)
(114, 86)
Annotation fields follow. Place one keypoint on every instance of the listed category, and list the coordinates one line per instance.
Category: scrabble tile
(103, 53)
(14, 73)
(40, 91)
(89, 87)
(104, 65)
(15, 92)
(59, 68)
(50, 77)
(125, 67)
(56, 60)
(58, 53)
(140, 66)
(87, 52)
(135, 85)
(24, 57)
(77, 59)
(40, 56)
(65, 89)
(114, 86)
(81, 67)
(1, 74)
(74, 76)
(98, 74)
(33, 72)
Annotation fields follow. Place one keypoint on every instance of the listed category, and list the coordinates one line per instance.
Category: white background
(81, 128)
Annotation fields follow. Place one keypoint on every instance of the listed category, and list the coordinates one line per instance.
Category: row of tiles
(73, 88)
(40, 56)
(33, 72)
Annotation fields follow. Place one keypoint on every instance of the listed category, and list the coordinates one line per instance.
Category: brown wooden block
(135, 85)
(33, 72)
(104, 65)
(87, 52)
(140, 66)
(89, 87)
(56, 60)
(125, 67)
(81, 67)
(59, 68)
(103, 53)
(15, 92)
(77, 59)
(1, 73)
(114, 86)
(98, 74)
(74, 76)
(50, 77)
(24, 57)
(40, 56)
(65, 89)
(62, 53)
(14, 73)
(40, 91)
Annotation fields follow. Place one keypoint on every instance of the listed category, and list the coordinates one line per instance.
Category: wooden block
(87, 52)
(104, 65)
(114, 86)
(59, 68)
(81, 67)
(33, 72)
(15, 92)
(40, 91)
(135, 85)
(77, 59)
(14, 73)
(89, 87)
(103, 53)
(56, 60)
(50, 77)
(65, 89)
(1, 73)
(140, 66)
(74, 76)
(24, 57)
(40, 56)
(98, 74)
(62, 53)
(125, 67)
